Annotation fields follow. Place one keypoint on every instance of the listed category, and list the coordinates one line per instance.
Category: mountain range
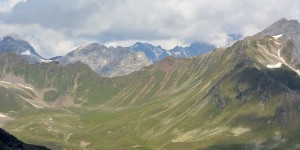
(156, 53)
(245, 96)
(107, 61)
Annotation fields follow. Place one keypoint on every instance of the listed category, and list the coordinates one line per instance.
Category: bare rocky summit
(13, 43)
(287, 32)
(107, 61)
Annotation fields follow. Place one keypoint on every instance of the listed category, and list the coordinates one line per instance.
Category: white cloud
(8, 5)
(46, 42)
(124, 22)
(249, 30)
(168, 43)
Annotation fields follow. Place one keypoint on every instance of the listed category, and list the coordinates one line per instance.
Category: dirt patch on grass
(239, 130)
(198, 134)
(84, 144)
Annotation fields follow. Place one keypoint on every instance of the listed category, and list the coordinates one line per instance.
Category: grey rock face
(286, 31)
(281, 116)
(153, 53)
(20, 47)
(106, 61)
(289, 28)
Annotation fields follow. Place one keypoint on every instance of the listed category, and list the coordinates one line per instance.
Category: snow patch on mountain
(2, 116)
(279, 57)
(278, 65)
(31, 102)
(26, 53)
(45, 60)
(5, 82)
(26, 87)
(277, 36)
(276, 43)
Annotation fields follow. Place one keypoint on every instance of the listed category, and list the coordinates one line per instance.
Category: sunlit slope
(234, 98)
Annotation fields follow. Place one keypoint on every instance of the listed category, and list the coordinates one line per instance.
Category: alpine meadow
(243, 94)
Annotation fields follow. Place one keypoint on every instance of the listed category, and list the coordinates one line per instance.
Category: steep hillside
(51, 83)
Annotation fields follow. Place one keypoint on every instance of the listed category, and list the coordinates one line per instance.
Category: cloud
(7, 5)
(68, 23)
(47, 42)
(249, 30)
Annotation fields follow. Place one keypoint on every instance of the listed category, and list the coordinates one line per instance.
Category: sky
(55, 27)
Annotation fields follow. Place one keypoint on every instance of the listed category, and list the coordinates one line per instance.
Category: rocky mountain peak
(92, 46)
(112, 61)
(283, 26)
(7, 39)
(13, 43)
(14, 36)
(144, 46)
(286, 35)
(282, 20)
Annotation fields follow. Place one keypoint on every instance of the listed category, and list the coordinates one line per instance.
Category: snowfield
(2, 116)
(277, 36)
(278, 65)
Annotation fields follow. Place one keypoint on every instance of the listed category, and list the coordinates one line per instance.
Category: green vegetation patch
(51, 96)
